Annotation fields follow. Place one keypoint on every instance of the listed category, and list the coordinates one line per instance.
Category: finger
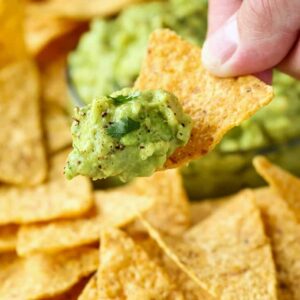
(254, 39)
(265, 76)
(219, 11)
(291, 64)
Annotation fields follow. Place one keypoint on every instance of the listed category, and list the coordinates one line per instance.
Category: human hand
(252, 36)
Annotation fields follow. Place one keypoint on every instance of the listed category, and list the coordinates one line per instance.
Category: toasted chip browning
(215, 104)
(41, 276)
(284, 183)
(90, 291)
(133, 274)
(170, 212)
(41, 29)
(228, 253)
(113, 208)
(284, 233)
(8, 238)
(22, 155)
(56, 198)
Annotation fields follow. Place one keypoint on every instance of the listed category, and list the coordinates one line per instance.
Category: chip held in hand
(176, 112)
(215, 105)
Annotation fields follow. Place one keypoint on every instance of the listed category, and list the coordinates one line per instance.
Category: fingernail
(220, 47)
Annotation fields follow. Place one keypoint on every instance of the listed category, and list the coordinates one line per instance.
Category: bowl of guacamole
(108, 58)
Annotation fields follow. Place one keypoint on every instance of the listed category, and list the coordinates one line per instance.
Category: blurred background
(86, 49)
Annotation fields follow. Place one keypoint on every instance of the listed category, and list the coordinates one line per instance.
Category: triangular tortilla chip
(228, 253)
(113, 208)
(189, 289)
(54, 199)
(53, 79)
(55, 103)
(57, 127)
(170, 212)
(40, 276)
(8, 238)
(215, 104)
(284, 233)
(202, 209)
(41, 29)
(22, 155)
(90, 291)
(127, 272)
(74, 292)
(284, 183)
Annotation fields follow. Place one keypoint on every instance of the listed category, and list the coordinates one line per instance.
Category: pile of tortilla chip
(245, 246)
(47, 20)
(64, 240)
(108, 244)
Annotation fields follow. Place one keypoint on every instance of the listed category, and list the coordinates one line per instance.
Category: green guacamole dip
(127, 134)
(109, 56)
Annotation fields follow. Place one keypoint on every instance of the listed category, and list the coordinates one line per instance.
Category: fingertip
(265, 76)
(220, 47)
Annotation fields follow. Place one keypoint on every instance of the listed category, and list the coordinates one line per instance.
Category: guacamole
(127, 134)
(108, 57)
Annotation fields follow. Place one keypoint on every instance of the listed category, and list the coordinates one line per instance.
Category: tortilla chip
(73, 293)
(90, 291)
(202, 209)
(228, 253)
(126, 269)
(41, 276)
(8, 238)
(56, 198)
(61, 47)
(56, 103)
(57, 126)
(54, 85)
(79, 10)
(113, 208)
(22, 155)
(11, 32)
(171, 211)
(41, 29)
(284, 183)
(284, 233)
(189, 289)
(215, 104)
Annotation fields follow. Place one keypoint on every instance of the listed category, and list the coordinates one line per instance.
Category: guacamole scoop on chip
(127, 134)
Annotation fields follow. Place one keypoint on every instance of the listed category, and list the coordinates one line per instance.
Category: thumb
(257, 37)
